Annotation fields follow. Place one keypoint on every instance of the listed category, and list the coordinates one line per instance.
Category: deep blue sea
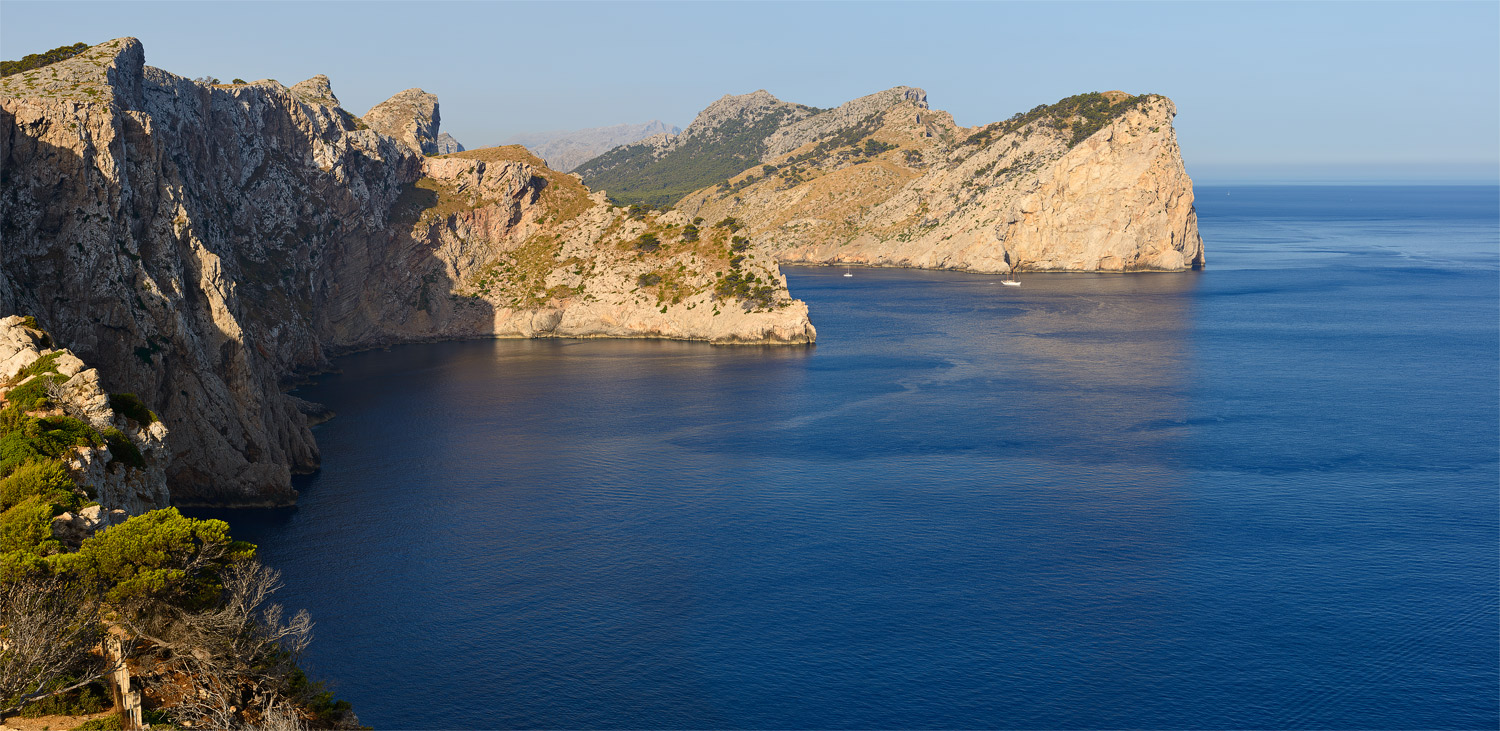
(1265, 495)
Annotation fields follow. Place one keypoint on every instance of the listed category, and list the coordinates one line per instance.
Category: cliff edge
(203, 244)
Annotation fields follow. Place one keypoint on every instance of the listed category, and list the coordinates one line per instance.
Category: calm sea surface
(1263, 495)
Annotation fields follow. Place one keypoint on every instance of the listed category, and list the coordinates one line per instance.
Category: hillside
(566, 150)
(723, 139)
(1093, 182)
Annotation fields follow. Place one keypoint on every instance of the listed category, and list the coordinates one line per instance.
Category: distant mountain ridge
(724, 139)
(564, 150)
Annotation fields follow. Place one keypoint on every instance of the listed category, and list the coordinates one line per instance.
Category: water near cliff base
(1263, 495)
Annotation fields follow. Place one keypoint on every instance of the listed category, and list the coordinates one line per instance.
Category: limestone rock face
(318, 89)
(120, 488)
(411, 117)
(202, 245)
(535, 254)
(446, 144)
(911, 189)
(846, 115)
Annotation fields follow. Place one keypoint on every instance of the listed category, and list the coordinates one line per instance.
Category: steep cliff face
(200, 244)
(1094, 183)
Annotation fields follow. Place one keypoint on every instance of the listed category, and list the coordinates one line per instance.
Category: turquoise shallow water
(1263, 495)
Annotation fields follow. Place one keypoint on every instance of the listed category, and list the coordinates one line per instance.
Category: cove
(1257, 496)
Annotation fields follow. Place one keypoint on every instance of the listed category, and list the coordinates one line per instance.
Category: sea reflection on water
(967, 506)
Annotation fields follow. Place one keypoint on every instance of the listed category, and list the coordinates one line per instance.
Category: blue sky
(1266, 91)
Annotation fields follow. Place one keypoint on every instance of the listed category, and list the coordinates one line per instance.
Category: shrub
(32, 395)
(44, 478)
(132, 407)
(91, 698)
(690, 233)
(122, 449)
(160, 555)
(647, 242)
(27, 527)
(107, 723)
(240, 81)
(730, 223)
(650, 279)
(57, 435)
(44, 364)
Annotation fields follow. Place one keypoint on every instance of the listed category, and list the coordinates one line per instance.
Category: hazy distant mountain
(565, 150)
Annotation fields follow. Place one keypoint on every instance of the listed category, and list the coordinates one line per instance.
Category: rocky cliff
(201, 244)
(446, 144)
(1092, 183)
(410, 116)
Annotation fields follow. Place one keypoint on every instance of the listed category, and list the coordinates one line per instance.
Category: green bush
(91, 698)
(107, 723)
(44, 364)
(55, 436)
(47, 479)
(148, 556)
(650, 279)
(32, 395)
(132, 407)
(27, 527)
(647, 242)
(123, 450)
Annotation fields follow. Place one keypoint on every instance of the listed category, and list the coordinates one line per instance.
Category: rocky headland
(1092, 183)
(206, 245)
(203, 245)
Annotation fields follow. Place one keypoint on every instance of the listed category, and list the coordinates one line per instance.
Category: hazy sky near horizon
(1265, 91)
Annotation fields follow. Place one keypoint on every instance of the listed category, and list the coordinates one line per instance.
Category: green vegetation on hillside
(1082, 114)
(631, 174)
(38, 60)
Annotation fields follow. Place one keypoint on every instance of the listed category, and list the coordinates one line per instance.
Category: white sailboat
(1012, 280)
(848, 273)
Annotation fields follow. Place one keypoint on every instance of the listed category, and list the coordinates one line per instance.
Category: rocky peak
(846, 115)
(410, 116)
(446, 144)
(317, 89)
(747, 108)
